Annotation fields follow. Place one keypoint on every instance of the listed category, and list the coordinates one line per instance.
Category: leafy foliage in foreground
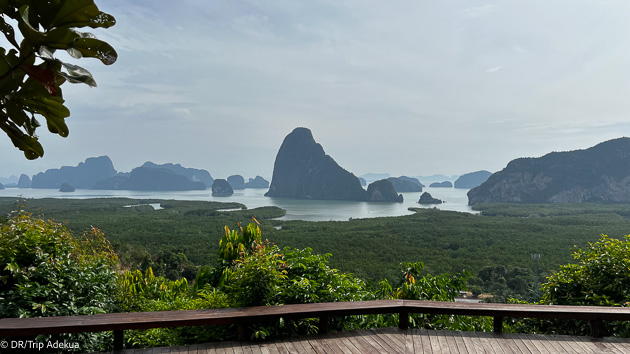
(45, 271)
(601, 277)
(31, 76)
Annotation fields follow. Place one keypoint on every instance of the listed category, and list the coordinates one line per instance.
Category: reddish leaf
(44, 76)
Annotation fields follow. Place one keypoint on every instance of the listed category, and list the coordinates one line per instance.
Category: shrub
(45, 271)
(600, 277)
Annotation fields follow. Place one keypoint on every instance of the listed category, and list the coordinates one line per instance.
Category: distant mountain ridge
(597, 174)
(150, 179)
(193, 174)
(83, 176)
(404, 184)
(472, 179)
(9, 180)
(99, 173)
(257, 182)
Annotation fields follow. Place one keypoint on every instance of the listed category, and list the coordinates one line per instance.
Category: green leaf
(59, 38)
(16, 112)
(46, 53)
(28, 144)
(25, 23)
(95, 48)
(77, 74)
(82, 13)
(53, 110)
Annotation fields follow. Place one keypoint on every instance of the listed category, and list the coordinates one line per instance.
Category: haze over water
(297, 209)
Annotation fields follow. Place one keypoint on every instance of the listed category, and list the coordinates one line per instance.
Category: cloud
(478, 11)
(370, 78)
(493, 69)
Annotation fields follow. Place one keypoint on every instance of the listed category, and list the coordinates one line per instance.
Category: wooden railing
(119, 322)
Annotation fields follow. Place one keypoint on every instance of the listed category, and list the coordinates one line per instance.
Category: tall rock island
(24, 182)
(598, 174)
(383, 190)
(302, 170)
(221, 188)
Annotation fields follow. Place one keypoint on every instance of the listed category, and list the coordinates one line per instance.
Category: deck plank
(528, 343)
(426, 342)
(443, 339)
(459, 342)
(372, 340)
(436, 347)
(301, 345)
(394, 340)
(350, 347)
(518, 343)
(534, 342)
(255, 348)
(334, 345)
(569, 344)
(362, 344)
(601, 345)
(408, 338)
(450, 341)
(507, 343)
(557, 347)
(272, 347)
(263, 348)
(281, 347)
(317, 346)
(620, 345)
(416, 339)
(239, 349)
(390, 339)
(471, 342)
(582, 346)
(289, 346)
(498, 348)
(485, 343)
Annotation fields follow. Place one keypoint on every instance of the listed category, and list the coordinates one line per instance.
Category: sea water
(297, 209)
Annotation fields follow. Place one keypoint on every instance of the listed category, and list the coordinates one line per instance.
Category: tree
(31, 76)
(600, 276)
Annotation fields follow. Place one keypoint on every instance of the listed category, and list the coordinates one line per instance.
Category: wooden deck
(394, 340)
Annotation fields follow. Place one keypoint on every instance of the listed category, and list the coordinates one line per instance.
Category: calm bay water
(310, 210)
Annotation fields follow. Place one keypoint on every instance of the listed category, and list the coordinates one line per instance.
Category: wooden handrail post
(597, 328)
(403, 320)
(240, 331)
(323, 324)
(498, 324)
(119, 340)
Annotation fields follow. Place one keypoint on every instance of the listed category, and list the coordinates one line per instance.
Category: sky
(400, 87)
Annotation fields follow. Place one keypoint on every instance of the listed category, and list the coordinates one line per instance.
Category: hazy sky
(404, 87)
